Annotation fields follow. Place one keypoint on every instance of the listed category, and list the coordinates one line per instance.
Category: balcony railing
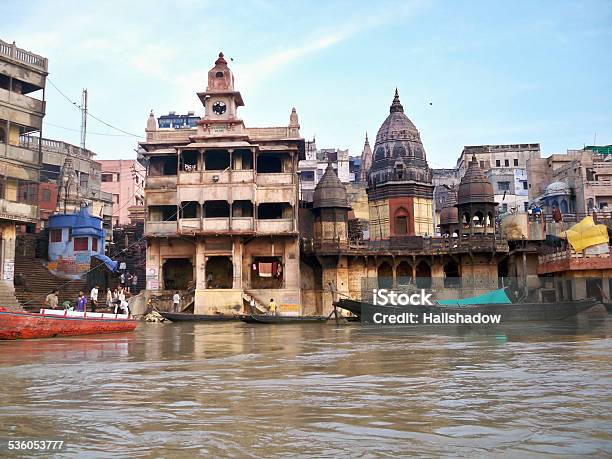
(22, 101)
(23, 56)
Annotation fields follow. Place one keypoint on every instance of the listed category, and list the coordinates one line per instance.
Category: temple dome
(330, 191)
(449, 216)
(398, 145)
(557, 189)
(474, 186)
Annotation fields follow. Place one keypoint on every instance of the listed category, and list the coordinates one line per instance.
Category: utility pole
(83, 118)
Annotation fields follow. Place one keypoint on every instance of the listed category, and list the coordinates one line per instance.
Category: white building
(313, 167)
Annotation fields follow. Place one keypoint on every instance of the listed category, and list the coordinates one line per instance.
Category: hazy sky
(493, 71)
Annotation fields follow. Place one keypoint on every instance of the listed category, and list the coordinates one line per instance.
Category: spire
(367, 142)
(151, 124)
(221, 60)
(294, 125)
(396, 106)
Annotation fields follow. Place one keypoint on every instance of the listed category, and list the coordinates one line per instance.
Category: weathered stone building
(222, 204)
(22, 108)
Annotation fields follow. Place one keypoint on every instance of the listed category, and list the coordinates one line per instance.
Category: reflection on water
(256, 390)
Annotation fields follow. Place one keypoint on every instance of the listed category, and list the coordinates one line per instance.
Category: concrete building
(222, 203)
(313, 167)
(506, 168)
(70, 178)
(22, 108)
(124, 180)
(73, 239)
(576, 182)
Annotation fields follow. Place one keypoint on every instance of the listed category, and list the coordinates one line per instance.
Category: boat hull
(515, 312)
(27, 325)
(264, 319)
(188, 317)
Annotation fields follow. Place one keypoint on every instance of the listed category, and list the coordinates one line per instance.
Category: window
(497, 163)
(526, 205)
(46, 197)
(107, 177)
(506, 162)
(116, 198)
(482, 164)
(81, 244)
(94, 245)
(504, 207)
(83, 180)
(503, 186)
(515, 161)
(55, 235)
(308, 176)
(524, 184)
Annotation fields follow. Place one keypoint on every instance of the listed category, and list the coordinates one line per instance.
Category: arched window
(423, 275)
(403, 273)
(219, 75)
(478, 219)
(564, 207)
(385, 275)
(2, 135)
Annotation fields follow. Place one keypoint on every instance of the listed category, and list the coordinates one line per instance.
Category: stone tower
(366, 160)
(476, 201)
(330, 208)
(400, 189)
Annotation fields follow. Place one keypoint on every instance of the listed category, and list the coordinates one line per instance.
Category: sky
(468, 72)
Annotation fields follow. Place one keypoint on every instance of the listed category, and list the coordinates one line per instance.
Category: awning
(110, 264)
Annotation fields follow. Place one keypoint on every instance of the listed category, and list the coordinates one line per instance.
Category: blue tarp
(494, 297)
(110, 264)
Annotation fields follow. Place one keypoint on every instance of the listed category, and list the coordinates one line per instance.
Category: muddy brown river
(318, 390)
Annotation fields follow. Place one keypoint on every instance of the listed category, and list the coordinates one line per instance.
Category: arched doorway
(401, 222)
(177, 273)
(403, 273)
(219, 272)
(423, 275)
(564, 207)
(385, 275)
(452, 278)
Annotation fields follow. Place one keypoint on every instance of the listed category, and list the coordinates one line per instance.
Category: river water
(232, 389)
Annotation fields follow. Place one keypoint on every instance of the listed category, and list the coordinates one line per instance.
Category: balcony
(275, 226)
(161, 181)
(154, 228)
(25, 57)
(23, 155)
(243, 224)
(18, 211)
(275, 179)
(215, 224)
(190, 225)
(22, 102)
(568, 260)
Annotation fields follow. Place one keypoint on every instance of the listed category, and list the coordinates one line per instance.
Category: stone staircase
(7, 298)
(259, 306)
(36, 281)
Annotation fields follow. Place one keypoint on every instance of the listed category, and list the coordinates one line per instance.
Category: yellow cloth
(272, 306)
(586, 233)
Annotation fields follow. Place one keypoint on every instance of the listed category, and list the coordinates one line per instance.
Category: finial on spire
(367, 142)
(221, 59)
(396, 105)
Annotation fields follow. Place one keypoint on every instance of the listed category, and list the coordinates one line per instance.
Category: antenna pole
(83, 118)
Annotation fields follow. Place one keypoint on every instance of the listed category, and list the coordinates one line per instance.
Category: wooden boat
(52, 322)
(269, 319)
(189, 317)
(513, 312)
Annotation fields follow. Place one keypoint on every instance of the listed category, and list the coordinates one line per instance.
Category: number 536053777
(52, 445)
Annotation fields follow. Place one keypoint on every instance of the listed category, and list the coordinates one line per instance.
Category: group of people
(128, 281)
(115, 300)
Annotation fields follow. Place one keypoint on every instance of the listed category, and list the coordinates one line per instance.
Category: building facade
(222, 203)
(22, 108)
(124, 180)
(313, 167)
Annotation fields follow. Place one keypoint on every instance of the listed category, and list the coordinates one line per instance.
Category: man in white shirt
(93, 296)
(176, 300)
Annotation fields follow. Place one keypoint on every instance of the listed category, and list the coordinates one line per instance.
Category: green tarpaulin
(494, 297)
(601, 149)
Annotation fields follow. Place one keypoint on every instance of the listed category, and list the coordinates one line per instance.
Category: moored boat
(50, 323)
(508, 312)
(270, 319)
(189, 317)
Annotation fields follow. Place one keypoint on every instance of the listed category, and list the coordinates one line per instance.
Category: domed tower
(449, 216)
(400, 189)
(476, 201)
(220, 100)
(330, 207)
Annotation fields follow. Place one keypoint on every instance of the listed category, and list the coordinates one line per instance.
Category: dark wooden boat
(266, 319)
(50, 323)
(513, 312)
(189, 317)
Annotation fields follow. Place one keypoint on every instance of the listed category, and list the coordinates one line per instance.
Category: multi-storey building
(506, 168)
(124, 180)
(22, 108)
(576, 182)
(222, 203)
(313, 167)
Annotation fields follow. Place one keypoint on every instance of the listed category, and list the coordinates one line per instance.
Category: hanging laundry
(265, 269)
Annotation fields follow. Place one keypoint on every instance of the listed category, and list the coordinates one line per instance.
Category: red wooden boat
(52, 322)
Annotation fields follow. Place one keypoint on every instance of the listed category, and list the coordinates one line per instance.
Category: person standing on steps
(176, 301)
(81, 302)
(93, 296)
(52, 299)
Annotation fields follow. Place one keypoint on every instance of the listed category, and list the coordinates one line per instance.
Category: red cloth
(265, 269)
